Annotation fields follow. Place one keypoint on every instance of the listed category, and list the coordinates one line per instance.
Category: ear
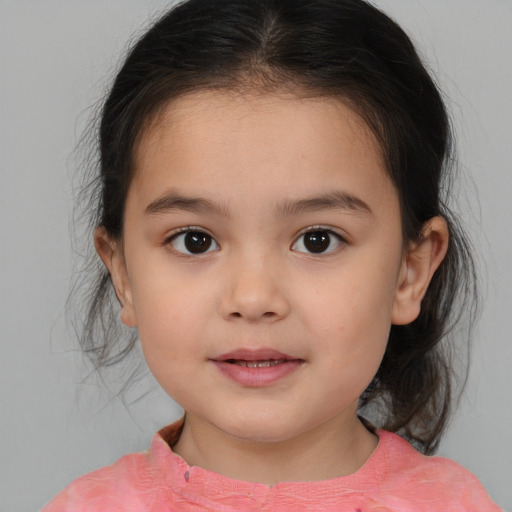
(420, 261)
(111, 253)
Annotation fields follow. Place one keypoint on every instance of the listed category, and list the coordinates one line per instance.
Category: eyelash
(325, 230)
(325, 242)
(187, 231)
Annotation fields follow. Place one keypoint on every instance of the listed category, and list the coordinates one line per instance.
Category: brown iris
(317, 241)
(197, 242)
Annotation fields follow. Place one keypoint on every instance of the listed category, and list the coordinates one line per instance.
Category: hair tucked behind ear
(345, 49)
(415, 386)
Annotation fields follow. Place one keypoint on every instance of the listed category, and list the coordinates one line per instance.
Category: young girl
(271, 221)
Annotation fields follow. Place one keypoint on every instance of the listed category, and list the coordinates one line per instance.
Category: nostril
(267, 314)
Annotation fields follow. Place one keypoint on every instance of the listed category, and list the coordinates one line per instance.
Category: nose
(254, 291)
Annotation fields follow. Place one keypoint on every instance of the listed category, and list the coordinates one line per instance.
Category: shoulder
(136, 482)
(147, 481)
(432, 483)
(119, 487)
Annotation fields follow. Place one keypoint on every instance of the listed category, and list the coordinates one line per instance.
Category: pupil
(197, 242)
(317, 241)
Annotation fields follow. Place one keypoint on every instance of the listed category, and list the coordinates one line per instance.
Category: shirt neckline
(206, 487)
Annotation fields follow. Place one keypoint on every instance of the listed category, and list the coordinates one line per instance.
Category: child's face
(294, 254)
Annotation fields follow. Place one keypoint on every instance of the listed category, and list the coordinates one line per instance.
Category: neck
(336, 448)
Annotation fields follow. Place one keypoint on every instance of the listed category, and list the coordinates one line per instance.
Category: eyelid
(322, 227)
(185, 229)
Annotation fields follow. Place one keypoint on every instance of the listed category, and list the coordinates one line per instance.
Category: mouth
(261, 358)
(256, 368)
(256, 364)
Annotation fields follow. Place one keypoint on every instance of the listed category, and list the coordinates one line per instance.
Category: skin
(256, 157)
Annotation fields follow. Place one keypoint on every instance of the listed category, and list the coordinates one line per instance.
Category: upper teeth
(258, 364)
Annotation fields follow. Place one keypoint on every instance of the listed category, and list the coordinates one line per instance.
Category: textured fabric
(395, 478)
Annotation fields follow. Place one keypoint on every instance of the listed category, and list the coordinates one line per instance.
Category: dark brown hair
(346, 49)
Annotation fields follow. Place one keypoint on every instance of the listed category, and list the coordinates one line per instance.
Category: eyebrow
(333, 200)
(172, 201)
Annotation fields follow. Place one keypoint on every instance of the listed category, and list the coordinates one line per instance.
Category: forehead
(277, 143)
(198, 114)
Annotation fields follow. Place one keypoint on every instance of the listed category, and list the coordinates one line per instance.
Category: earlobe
(111, 253)
(419, 263)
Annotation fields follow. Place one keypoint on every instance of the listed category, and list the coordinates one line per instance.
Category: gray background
(55, 59)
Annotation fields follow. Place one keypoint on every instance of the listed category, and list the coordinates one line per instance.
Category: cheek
(347, 304)
(170, 332)
(350, 318)
(173, 316)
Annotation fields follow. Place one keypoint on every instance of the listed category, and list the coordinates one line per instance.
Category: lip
(256, 376)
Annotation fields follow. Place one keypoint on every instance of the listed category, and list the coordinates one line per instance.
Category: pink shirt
(395, 478)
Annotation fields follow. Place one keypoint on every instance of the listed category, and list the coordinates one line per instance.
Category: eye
(318, 241)
(193, 242)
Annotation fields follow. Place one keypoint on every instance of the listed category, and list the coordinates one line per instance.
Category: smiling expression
(262, 260)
